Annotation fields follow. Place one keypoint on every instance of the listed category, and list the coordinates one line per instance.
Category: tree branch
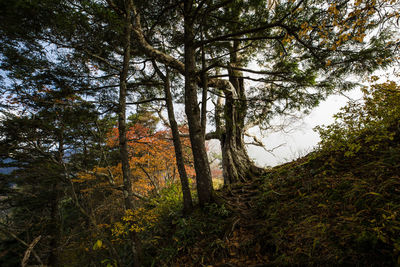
(22, 242)
(29, 250)
(146, 101)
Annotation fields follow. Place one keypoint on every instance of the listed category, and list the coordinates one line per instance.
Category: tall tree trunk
(197, 139)
(236, 164)
(187, 197)
(122, 130)
(55, 225)
(54, 210)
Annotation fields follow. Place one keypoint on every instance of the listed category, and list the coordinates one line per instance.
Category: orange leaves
(152, 162)
(328, 63)
(333, 9)
(346, 25)
(98, 178)
(152, 157)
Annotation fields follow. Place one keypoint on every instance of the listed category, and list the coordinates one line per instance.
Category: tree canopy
(77, 76)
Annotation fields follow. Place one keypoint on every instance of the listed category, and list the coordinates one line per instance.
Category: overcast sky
(302, 139)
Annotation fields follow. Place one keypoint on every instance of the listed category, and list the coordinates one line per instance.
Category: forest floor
(242, 201)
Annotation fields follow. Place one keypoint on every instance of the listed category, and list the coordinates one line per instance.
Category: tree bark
(122, 131)
(197, 138)
(55, 227)
(237, 166)
(187, 197)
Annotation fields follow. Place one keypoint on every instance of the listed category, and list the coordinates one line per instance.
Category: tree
(307, 48)
(40, 147)
(47, 133)
(187, 197)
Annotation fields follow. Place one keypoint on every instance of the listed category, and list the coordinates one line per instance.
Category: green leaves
(366, 126)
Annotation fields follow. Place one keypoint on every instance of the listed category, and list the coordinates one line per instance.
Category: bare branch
(22, 242)
(146, 101)
(29, 250)
(257, 142)
(239, 33)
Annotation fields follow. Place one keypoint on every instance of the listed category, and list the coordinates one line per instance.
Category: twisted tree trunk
(236, 164)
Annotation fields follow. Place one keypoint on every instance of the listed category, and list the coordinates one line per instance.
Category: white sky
(302, 139)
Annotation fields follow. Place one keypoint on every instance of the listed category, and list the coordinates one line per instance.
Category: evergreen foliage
(90, 181)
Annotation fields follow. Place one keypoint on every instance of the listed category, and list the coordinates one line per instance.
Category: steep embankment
(323, 209)
(329, 209)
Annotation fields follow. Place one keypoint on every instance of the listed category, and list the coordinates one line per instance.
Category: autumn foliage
(152, 160)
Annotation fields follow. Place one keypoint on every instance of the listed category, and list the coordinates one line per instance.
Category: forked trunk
(236, 164)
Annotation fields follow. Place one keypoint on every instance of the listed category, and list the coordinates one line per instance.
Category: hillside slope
(314, 211)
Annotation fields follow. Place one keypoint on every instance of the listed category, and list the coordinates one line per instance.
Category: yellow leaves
(358, 2)
(287, 40)
(374, 78)
(119, 229)
(379, 61)
(128, 213)
(344, 37)
(359, 38)
(304, 25)
(305, 29)
(328, 63)
(347, 24)
(332, 8)
(137, 220)
(98, 245)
